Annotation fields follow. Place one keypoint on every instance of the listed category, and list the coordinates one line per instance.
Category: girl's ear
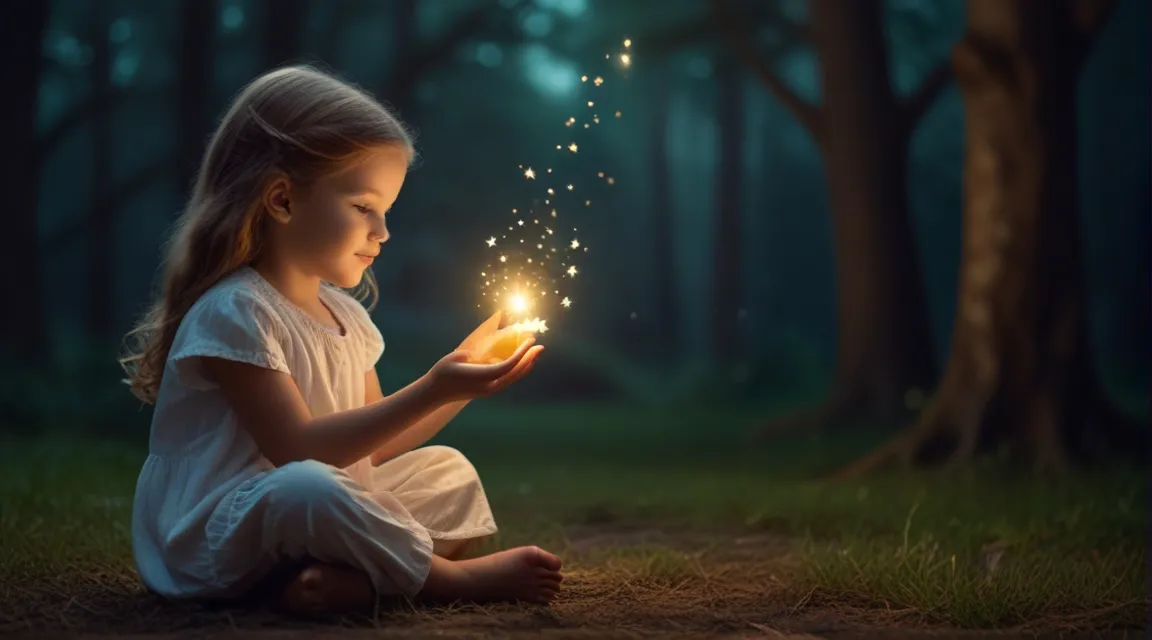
(276, 200)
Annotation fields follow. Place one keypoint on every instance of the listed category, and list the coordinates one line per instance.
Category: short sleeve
(230, 324)
(371, 342)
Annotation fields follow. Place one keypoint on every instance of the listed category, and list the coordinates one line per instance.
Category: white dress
(212, 517)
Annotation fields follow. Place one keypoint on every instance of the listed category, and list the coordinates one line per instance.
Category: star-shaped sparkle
(491, 241)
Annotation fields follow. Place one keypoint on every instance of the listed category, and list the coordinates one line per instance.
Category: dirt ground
(730, 590)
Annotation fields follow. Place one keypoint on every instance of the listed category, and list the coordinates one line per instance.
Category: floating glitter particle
(598, 81)
(492, 241)
(617, 114)
(572, 147)
(566, 302)
(611, 180)
(575, 243)
(570, 187)
(529, 173)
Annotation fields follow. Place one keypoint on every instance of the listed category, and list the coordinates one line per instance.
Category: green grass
(1071, 550)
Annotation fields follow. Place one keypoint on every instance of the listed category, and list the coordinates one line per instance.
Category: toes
(547, 560)
(546, 574)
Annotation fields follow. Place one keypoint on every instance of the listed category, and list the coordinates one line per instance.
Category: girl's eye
(363, 209)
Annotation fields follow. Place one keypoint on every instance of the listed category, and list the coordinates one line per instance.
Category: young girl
(271, 442)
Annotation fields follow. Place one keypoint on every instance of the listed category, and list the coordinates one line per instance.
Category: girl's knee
(305, 484)
(441, 454)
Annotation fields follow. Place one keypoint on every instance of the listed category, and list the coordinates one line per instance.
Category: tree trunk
(726, 281)
(884, 345)
(663, 239)
(196, 59)
(284, 32)
(23, 334)
(102, 258)
(1019, 369)
(863, 131)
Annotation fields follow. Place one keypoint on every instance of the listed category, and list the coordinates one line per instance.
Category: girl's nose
(379, 233)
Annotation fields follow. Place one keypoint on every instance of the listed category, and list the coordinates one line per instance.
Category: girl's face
(334, 228)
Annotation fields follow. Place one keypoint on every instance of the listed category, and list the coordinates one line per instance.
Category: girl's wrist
(428, 392)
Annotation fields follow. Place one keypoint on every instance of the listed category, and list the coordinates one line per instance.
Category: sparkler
(521, 280)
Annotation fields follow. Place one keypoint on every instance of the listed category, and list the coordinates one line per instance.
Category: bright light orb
(518, 303)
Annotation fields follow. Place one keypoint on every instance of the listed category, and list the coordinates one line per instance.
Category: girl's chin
(349, 280)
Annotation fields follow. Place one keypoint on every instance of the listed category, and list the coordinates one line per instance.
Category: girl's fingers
(528, 363)
(500, 369)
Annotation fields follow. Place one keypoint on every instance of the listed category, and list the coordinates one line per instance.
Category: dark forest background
(784, 230)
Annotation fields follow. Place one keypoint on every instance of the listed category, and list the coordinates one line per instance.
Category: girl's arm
(271, 408)
(417, 434)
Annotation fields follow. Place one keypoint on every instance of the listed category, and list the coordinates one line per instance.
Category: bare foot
(527, 574)
(327, 588)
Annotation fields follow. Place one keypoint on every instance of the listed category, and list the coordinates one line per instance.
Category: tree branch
(809, 115)
(919, 101)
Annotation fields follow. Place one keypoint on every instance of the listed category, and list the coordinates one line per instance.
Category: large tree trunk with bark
(727, 289)
(23, 331)
(863, 131)
(1019, 371)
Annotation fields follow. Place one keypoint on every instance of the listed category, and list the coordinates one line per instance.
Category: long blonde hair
(297, 122)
